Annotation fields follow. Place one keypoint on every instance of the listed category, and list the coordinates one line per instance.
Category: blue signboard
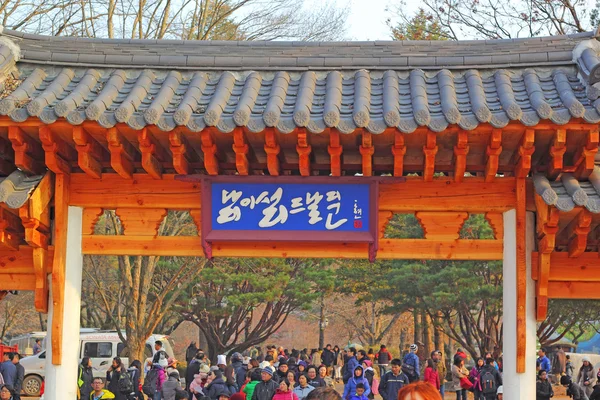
(327, 207)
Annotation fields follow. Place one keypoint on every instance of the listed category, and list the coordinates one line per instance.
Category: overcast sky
(367, 19)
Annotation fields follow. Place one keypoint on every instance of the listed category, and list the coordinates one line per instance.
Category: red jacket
(431, 376)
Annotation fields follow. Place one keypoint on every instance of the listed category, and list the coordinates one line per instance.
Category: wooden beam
(143, 191)
(241, 150)
(294, 250)
(210, 151)
(547, 227)
(366, 151)
(440, 225)
(521, 265)
(335, 152)
(384, 219)
(496, 221)
(525, 151)
(20, 262)
(89, 152)
(61, 208)
(557, 152)
(443, 194)
(460, 155)
(584, 158)
(153, 154)
(141, 222)
(11, 230)
(58, 153)
(29, 155)
(181, 246)
(90, 219)
(398, 150)
(40, 271)
(430, 150)
(574, 290)
(304, 149)
(493, 152)
(578, 231)
(35, 214)
(17, 281)
(179, 149)
(122, 153)
(462, 249)
(563, 268)
(272, 149)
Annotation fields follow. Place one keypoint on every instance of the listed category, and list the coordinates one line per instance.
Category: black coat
(328, 357)
(265, 390)
(113, 384)
(216, 387)
(20, 378)
(192, 369)
(87, 376)
(543, 390)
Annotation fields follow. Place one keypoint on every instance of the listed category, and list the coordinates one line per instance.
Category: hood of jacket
(217, 381)
(361, 372)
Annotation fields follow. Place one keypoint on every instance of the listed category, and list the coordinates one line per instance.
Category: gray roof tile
(568, 193)
(16, 188)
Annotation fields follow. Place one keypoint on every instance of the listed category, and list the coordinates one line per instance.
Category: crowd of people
(279, 374)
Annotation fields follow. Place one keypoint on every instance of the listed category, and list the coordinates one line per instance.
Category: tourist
(291, 378)
(500, 393)
(574, 391)
(459, 372)
(324, 394)
(360, 393)
(441, 369)
(171, 386)
(586, 376)
(338, 364)
(237, 363)
(432, 376)
(8, 369)
(392, 381)
(255, 379)
(419, 391)
(99, 392)
(315, 358)
(410, 364)
(266, 389)
(37, 347)
(301, 370)
(361, 355)
(383, 358)
(474, 377)
(6, 392)
(328, 359)
(460, 354)
(569, 369)
(323, 370)
(85, 377)
(543, 387)
(350, 364)
(285, 392)
(112, 377)
(155, 378)
(215, 385)
(191, 352)
(559, 362)
(357, 377)
(489, 379)
(193, 369)
(229, 377)
(135, 372)
(544, 361)
(158, 352)
(282, 371)
(313, 379)
(303, 388)
(369, 375)
(221, 362)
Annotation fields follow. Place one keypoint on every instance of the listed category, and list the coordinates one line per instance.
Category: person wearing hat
(239, 368)
(500, 393)
(222, 362)
(586, 377)
(410, 364)
(193, 369)
(574, 391)
(224, 396)
(266, 389)
(215, 385)
(171, 386)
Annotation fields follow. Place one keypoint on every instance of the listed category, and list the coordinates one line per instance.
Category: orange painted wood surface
(429, 150)
(291, 250)
(57, 152)
(152, 154)
(460, 155)
(141, 222)
(29, 155)
(241, 150)
(272, 149)
(493, 152)
(525, 151)
(398, 150)
(578, 232)
(464, 249)
(557, 153)
(521, 265)
(122, 153)
(574, 290)
(441, 225)
(210, 151)
(335, 150)
(20, 262)
(585, 156)
(563, 268)
(143, 245)
(303, 148)
(366, 150)
(179, 148)
(89, 152)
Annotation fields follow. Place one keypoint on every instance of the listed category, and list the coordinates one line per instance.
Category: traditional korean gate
(442, 130)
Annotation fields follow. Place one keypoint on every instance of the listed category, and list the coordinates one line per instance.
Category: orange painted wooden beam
(180, 246)
(585, 156)
(153, 154)
(11, 230)
(563, 268)
(574, 290)
(366, 151)
(122, 153)
(398, 150)
(460, 155)
(335, 152)
(58, 153)
(430, 150)
(179, 149)
(496, 221)
(210, 151)
(241, 150)
(521, 265)
(462, 249)
(304, 149)
(578, 232)
(29, 155)
(493, 152)
(291, 250)
(89, 219)
(442, 225)
(141, 222)
(272, 149)
(525, 151)
(18, 281)
(557, 152)
(89, 152)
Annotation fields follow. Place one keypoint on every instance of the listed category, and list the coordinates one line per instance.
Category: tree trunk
(426, 333)
(322, 324)
(403, 334)
(438, 333)
(417, 323)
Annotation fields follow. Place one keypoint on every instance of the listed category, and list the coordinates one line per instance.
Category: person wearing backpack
(172, 386)
(489, 380)
(135, 372)
(85, 377)
(474, 376)
(154, 380)
(113, 376)
(410, 364)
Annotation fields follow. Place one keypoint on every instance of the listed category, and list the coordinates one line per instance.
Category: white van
(100, 346)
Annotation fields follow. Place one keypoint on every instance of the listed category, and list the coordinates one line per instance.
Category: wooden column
(304, 149)
(430, 150)
(460, 156)
(367, 150)
(398, 150)
(335, 152)
(521, 264)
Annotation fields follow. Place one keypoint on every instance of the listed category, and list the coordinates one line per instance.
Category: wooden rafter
(304, 149)
(525, 151)
(564, 268)
(493, 152)
(430, 150)
(557, 152)
(58, 153)
(179, 149)
(578, 231)
(153, 154)
(89, 152)
(11, 230)
(460, 155)
(366, 151)
(29, 154)
(584, 158)
(272, 149)
(122, 153)
(398, 150)
(335, 152)
(241, 150)
(7, 158)
(210, 151)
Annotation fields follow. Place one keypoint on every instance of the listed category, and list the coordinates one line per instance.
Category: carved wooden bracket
(241, 149)
(272, 149)
(366, 151)
(384, 219)
(58, 153)
(153, 154)
(179, 149)
(430, 150)
(141, 222)
(578, 231)
(90, 219)
(335, 152)
(89, 153)
(557, 152)
(11, 230)
(29, 155)
(584, 158)
(496, 221)
(460, 156)
(493, 152)
(440, 225)
(304, 149)
(210, 151)
(526, 150)
(122, 153)
(398, 150)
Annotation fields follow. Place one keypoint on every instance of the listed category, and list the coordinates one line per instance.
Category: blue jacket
(350, 388)
(412, 359)
(356, 397)
(350, 367)
(9, 372)
(390, 384)
(544, 364)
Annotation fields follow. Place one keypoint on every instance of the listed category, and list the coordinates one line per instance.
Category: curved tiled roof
(313, 85)
(16, 188)
(568, 192)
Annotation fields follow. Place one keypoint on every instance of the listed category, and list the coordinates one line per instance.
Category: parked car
(100, 346)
